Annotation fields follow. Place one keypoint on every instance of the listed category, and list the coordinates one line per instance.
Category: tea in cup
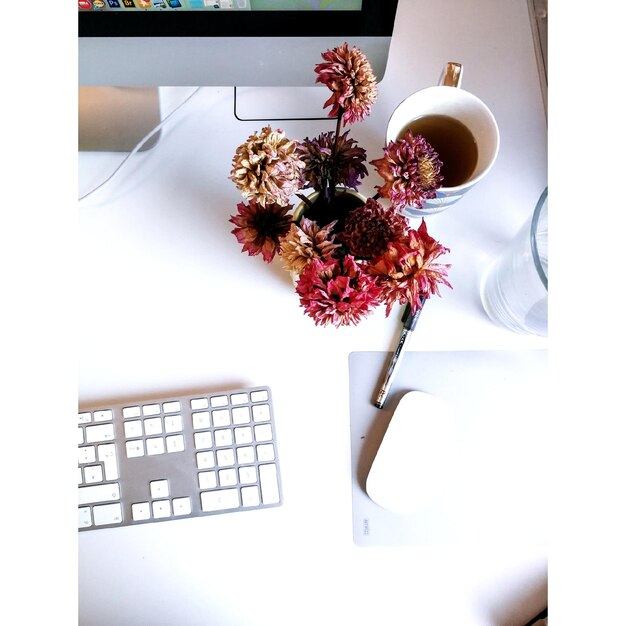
(460, 128)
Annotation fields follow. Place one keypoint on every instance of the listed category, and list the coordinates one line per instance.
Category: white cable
(155, 130)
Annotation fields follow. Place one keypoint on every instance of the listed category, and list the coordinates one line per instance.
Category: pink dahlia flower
(410, 168)
(348, 74)
(337, 292)
(406, 270)
(260, 228)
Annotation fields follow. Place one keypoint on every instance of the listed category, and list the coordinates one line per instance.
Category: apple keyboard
(184, 456)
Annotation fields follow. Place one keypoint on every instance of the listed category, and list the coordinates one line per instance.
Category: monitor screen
(224, 42)
(220, 5)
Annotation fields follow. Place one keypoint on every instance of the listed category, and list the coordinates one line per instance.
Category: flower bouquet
(349, 254)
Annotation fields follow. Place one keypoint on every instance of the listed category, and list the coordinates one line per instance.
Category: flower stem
(334, 159)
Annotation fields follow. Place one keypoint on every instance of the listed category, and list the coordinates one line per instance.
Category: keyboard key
(181, 506)
(155, 445)
(201, 420)
(265, 452)
(243, 435)
(221, 418)
(151, 409)
(203, 440)
(133, 428)
(223, 437)
(81, 437)
(263, 432)
(199, 403)
(250, 496)
(84, 516)
(134, 448)
(140, 511)
(174, 443)
(269, 483)
(225, 457)
(228, 477)
(87, 454)
(219, 500)
(107, 514)
(98, 493)
(259, 396)
(205, 460)
(102, 432)
(161, 509)
(93, 474)
(207, 480)
(159, 489)
(245, 454)
(153, 426)
(107, 455)
(239, 398)
(261, 412)
(219, 401)
(84, 418)
(131, 411)
(171, 407)
(103, 416)
(241, 415)
(247, 475)
(173, 423)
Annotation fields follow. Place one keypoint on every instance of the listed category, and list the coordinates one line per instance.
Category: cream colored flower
(307, 241)
(267, 167)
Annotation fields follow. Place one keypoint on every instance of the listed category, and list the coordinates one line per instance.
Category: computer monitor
(241, 43)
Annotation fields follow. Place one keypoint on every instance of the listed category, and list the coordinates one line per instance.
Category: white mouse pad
(497, 486)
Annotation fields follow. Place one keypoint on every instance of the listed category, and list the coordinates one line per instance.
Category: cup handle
(452, 74)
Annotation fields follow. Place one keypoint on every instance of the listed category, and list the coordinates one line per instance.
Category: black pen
(409, 320)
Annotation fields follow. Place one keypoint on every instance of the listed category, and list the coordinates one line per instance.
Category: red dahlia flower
(336, 292)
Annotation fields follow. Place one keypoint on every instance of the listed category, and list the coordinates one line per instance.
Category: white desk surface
(171, 304)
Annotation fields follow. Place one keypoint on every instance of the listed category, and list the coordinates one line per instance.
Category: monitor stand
(274, 104)
(116, 119)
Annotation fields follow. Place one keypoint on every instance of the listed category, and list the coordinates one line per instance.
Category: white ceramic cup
(449, 99)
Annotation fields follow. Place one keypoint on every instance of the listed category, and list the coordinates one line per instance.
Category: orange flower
(406, 270)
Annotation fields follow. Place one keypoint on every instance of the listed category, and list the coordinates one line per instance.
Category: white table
(171, 304)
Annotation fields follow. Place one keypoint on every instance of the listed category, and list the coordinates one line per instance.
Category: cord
(141, 142)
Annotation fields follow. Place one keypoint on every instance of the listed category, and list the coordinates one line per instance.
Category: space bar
(98, 493)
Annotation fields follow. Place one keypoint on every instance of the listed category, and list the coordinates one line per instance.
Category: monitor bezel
(375, 19)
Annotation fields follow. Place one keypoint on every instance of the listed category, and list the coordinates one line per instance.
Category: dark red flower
(260, 228)
(343, 164)
(369, 228)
